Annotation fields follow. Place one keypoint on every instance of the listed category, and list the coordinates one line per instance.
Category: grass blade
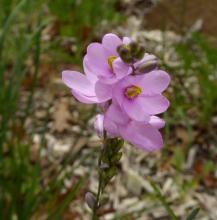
(163, 200)
(193, 214)
(8, 23)
(60, 209)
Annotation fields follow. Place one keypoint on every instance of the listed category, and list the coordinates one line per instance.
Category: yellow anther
(110, 61)
(133, 91)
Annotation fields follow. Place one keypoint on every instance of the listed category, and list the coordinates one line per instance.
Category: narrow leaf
(193, 214)
(163, 200)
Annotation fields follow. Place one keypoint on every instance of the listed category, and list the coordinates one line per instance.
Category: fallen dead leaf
(61, 116)
(182, 134)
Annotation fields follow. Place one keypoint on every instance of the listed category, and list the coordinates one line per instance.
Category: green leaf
(193, 214)
(163, 200)
(64, 204)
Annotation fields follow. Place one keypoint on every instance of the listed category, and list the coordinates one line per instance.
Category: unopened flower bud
(133, 47)
(147, 64)
(98, 124)
(139, 53)
(90, 200)
(124, 53)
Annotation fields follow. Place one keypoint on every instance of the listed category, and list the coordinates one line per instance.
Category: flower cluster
(126, 82)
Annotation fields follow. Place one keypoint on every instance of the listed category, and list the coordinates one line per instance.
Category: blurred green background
(47, 145)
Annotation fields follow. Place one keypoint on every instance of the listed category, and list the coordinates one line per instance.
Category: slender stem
(97, 204)
(100, 189)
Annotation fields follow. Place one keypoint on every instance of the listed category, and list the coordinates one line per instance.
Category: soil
(181, 14)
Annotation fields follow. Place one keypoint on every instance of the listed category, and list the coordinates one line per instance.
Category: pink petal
(102, 94)
(110, 127)
(96, 51)
(116, 115)
(78, 82)
(157, 122)
(143, 136)
(90, 75)
(135, 110)
(153, 82)
(152, 104)
(103, 91)
(121, 69)
(85, 99)
(110, 43)
(108, 79)
(97, 60)
(119, 89)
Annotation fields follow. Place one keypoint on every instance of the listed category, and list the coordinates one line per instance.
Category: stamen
(110, 61)
(133, 91)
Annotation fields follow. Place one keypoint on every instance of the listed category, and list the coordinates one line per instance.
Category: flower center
(110, 61)
(132, 91)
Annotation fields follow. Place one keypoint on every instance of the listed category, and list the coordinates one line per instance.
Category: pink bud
(98, 124)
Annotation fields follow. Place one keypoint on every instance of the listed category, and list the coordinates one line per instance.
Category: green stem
(97, 204)
(100, 188)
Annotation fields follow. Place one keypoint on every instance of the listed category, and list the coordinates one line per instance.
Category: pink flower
(102, 66)
(140, 95)
(144, 135)
(128, 86)
(103, 59)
